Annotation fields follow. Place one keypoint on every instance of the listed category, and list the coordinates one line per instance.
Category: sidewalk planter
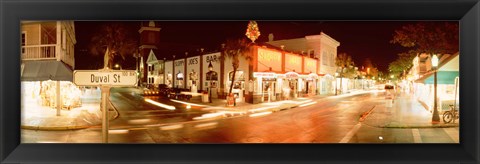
(205, 98)
(231, 100)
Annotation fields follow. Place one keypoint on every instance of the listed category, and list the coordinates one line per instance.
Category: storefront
(447, 85)
(238, 84)
(292, 83)
(168, 74)
(267, 83)
(43, 93)
(193, 70)
(310, 66)
(211, 70)
(311, 84)
(326, 84)
(179, 68)
(48, 83)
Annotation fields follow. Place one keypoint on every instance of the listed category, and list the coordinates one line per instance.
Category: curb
(421, 126)
(53, 128)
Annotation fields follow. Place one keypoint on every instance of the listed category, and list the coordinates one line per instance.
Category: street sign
(105, 77)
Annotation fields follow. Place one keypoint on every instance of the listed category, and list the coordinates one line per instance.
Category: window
(24, 41)
(311, 53)
(324, 58)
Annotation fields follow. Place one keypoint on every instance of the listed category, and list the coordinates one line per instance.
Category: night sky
(359, 39)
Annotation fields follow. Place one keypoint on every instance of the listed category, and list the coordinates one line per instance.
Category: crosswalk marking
(351, 133)
(416, 136)
(453, 133)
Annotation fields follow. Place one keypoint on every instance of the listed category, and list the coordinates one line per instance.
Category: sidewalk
(406, 112)
(36, 117)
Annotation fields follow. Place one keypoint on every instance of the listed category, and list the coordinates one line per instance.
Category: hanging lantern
(252, 31)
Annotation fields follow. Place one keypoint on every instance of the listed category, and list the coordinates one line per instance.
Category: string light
(252, 31)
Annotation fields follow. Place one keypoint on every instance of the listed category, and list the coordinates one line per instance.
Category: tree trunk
(341, 79)
(233, 80)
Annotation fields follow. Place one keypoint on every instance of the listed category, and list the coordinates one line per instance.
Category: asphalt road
(328, 120)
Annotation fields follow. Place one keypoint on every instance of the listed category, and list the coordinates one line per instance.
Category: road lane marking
(453, 133)
(416, 136)
(350, 134)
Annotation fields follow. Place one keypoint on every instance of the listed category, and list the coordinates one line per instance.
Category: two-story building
(47, 53)
(320, 47)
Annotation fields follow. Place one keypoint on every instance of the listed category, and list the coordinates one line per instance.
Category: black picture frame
(467, 12)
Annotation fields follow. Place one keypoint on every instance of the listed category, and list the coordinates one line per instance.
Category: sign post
(105, 117)
(105, 78)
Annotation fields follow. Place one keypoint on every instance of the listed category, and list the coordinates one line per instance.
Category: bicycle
(451, 115)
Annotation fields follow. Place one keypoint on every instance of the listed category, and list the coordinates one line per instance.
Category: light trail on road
(160, 104)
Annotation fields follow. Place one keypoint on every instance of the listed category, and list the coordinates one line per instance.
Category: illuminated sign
(293, 62)
(269, 59)
(264, 74)
(179, 63)
(291, 75)
(110, 77)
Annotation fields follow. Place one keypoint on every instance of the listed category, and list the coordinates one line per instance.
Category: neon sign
(293, 62)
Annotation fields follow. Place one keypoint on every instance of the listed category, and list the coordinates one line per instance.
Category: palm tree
(113, 40)
(343, 61)
(234, 49)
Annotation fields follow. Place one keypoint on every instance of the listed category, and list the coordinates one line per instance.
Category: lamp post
(435, 116)
(210, 68)
(137, 55)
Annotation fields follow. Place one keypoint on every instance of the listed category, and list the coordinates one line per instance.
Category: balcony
(46, 51)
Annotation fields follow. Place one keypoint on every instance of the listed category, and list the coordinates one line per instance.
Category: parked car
(390, 91)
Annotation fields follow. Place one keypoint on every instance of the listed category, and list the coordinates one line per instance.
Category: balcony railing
(45, 51)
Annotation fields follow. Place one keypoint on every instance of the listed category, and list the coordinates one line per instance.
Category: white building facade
(321, 47)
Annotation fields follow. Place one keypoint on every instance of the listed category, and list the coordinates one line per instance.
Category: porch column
(59, 100)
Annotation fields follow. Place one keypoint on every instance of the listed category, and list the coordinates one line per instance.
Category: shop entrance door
(293, 88)
(268, 90)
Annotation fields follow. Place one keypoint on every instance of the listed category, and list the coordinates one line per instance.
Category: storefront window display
(168, 82)
(44, 93)
(179, 79)
(238, 83)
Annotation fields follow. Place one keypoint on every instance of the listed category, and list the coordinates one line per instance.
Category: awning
(46, 70)
(443, 77)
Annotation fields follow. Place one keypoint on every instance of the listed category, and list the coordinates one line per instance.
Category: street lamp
(435, 116)
(117, 66)
(210, 68)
